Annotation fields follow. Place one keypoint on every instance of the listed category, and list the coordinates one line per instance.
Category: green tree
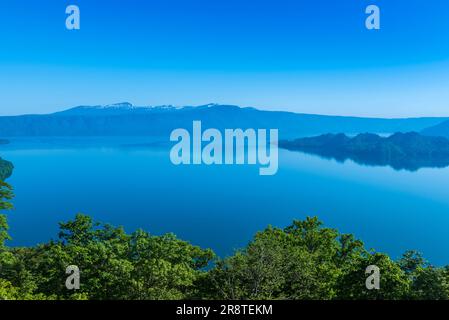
(113, 264)
(5, 196)
(394, 284)
(303, 261)
(427, 282)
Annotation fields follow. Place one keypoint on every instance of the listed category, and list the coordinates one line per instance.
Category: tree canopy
(302, 261)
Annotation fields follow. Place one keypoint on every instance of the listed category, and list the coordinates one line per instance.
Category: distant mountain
(440, 129)
(409, 151)
(6, 169)
(124, 119)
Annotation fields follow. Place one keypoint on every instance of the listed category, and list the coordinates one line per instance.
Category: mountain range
(125, 119)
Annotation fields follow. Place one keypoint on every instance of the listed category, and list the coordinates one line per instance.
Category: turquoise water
(221, 207)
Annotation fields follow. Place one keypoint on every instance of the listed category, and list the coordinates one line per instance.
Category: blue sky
(313, 56)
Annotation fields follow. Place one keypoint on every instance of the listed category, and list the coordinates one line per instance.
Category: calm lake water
(221, 207)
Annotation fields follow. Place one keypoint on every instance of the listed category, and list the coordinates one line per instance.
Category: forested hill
(6, 169)
(409, 151)
(124, 119)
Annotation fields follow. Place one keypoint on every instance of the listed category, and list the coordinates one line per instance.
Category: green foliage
(393, 282)
(5, 196)
(6, 168)
(303, 261)
(427, 282)
(113, 264)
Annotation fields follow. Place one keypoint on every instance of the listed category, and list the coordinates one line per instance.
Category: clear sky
(313, 56)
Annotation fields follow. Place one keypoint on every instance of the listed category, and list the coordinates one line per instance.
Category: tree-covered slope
(6, 169)
(409, 151)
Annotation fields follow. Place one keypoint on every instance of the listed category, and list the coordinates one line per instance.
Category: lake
(221, 207)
